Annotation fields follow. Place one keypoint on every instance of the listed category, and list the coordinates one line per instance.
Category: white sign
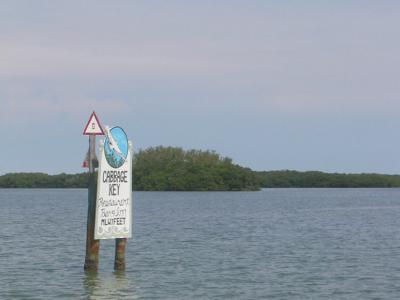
(114, 187)
(93, 126)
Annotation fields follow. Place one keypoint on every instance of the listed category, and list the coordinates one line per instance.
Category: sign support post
(92, 245)
(92, 129)
(119, 262)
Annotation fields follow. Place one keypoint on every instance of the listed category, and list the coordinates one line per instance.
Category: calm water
(273, 244)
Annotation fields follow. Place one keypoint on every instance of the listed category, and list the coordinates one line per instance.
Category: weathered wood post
(92, 245)
(119, 262)
(92, 129)
(120, 243)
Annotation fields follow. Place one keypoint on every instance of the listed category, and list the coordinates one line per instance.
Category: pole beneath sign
(92, 245)
(119, 262)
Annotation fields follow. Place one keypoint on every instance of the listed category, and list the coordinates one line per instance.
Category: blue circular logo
(116, 146)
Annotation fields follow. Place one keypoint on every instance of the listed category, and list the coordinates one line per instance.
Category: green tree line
(174, 169)
(315, 179)
(158, 169)
(41, 180)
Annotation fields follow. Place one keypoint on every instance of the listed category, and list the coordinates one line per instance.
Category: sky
(300, 85)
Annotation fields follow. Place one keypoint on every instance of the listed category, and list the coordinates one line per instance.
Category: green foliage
(311, 179)
(174, 169)
(158, 169)
(41, 180)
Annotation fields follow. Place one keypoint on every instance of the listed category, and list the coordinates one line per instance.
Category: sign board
(93, 126)
(114, 187)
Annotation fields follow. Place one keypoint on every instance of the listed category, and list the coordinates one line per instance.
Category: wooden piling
(92, 245)
(119, 262)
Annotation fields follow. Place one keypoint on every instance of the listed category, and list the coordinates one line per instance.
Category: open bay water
(272, 244)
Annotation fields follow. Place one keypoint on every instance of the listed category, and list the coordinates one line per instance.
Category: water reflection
(109, 286)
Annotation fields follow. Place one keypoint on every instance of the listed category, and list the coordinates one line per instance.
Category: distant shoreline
(265, 180)
(175, 169)
(316, 179)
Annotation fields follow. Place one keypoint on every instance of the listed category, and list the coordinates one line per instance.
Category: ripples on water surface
(273, 244)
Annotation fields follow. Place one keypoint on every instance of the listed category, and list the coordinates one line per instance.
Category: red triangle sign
(93, 126)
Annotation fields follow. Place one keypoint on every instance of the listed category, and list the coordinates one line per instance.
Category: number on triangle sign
(93, 126)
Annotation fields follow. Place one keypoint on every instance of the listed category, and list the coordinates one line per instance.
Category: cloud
(22, 108)
(38, 61)
(265, 58)
(258, 76)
